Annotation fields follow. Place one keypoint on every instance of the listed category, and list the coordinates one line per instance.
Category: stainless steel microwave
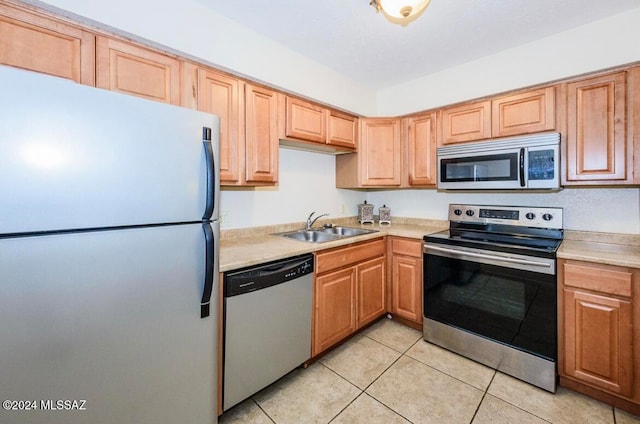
(515, 163)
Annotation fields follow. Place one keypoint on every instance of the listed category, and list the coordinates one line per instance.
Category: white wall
(599, 45)
(189, 27)
(307, 184)
(585, 209)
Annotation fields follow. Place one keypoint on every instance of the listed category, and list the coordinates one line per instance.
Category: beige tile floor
(388, 374)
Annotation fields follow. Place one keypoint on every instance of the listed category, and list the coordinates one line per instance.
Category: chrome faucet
(310, 222)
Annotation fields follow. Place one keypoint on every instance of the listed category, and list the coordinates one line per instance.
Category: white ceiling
(351, 38)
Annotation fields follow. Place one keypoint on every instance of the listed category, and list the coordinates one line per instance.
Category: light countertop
(246, 247)
(604, 253)
(241, 251)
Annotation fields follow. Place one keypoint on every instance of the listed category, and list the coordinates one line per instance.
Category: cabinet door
(379, 152)
(305, 121)
(343, 130)
(523, 113)
(596, 131)
(406, 287)
(261, 134)
(371, 290)
(220, 94)
(334, 314)
(421, 150)
(468, 122)
(37, 43)
(137, 71)
(598, 340)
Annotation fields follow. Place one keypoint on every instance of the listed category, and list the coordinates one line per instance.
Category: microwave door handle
(521, 167)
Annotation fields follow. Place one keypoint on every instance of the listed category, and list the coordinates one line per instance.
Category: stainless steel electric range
(490, 288)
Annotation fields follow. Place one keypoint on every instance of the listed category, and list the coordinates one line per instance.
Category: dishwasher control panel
(265, 275)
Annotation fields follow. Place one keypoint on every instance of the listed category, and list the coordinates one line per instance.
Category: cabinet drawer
(406, 247)
(340, 257)
(600, 278)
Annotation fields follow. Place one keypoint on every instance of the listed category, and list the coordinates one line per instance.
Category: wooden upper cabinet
(305, 121)
(533, 111)
(310, 122)
(467, 122)
(380, 152)
(596, 142)
(378, 162)
(261, 135)
(342, 130)
(420, 135)
(134, 70)
(219, 94)
(38, 43)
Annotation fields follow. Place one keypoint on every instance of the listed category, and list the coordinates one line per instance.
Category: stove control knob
(458, 212)
(531, 215)
(469, 212)
(547, 217)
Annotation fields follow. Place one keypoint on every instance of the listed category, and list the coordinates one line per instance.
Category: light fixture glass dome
(403, 9)
(400, 12)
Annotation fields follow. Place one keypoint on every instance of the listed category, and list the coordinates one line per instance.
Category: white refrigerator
(108, 256)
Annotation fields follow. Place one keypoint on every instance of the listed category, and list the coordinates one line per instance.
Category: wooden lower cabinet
(349, 291)
(335, 317)
(599, 331)
(406, 279)
(371, 290)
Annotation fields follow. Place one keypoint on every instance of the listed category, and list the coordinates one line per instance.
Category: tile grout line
(263, 411)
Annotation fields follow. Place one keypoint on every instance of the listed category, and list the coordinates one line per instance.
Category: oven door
(507, 298)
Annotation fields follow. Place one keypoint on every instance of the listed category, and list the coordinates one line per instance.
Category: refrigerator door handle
(211, 173)
(205, 303)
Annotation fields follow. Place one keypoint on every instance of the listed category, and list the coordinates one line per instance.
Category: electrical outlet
(343, 208)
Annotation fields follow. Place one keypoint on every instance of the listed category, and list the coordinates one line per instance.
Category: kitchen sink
(346, 231)
(322, 235)
(311, 236)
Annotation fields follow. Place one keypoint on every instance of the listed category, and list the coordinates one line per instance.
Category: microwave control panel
(541, 165)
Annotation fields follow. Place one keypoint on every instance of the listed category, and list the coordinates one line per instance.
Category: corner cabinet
(599, 346)
(349, 291)
(406, 279)
(38, 43)
(379, 158)
(597, 148)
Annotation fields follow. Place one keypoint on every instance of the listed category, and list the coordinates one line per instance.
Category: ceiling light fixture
(400, 12)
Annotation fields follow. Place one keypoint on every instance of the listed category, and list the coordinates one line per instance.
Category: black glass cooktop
(510, 243)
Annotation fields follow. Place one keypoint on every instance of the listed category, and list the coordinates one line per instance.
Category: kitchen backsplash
(307, 184)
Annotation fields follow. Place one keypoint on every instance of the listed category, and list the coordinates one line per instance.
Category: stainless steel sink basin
(311, 236)
(322, 235)
(346, 231)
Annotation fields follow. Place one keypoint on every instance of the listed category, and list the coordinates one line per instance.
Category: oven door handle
(492, 257)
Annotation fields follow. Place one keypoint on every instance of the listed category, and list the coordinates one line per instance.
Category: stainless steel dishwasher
(267, 324)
